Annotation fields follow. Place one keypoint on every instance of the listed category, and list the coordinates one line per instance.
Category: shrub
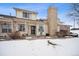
(47, 34)
(24, 36)
(15, 35)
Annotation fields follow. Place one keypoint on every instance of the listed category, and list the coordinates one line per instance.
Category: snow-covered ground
(40, 47)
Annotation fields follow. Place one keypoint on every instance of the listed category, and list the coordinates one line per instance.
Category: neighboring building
(26, 22)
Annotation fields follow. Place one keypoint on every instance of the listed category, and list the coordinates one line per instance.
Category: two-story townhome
(26, 22)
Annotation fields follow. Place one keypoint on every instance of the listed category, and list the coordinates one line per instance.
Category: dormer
(26, 14)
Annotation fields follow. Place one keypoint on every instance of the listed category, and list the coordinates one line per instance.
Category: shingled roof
(25, 10)
(7, 16)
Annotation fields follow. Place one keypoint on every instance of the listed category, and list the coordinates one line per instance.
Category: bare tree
(74, 12)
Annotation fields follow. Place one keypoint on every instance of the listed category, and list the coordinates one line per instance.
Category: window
(21, 27)
(25, 15)
(6, 28)
(41, 29)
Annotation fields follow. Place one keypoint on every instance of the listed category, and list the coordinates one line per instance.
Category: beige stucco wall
(0, 29)
(37, 30)
(19, 13)
(28, 24)
(52, 21)
(33, 16)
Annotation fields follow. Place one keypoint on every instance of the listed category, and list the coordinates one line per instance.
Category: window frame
(25, 15)
(21, 27)
(6, 28)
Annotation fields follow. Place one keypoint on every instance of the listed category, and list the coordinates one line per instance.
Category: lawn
(40, 47)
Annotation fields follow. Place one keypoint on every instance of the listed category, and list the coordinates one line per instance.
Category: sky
(40, 8)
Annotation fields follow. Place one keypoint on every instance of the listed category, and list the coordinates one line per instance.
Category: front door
(33, 30)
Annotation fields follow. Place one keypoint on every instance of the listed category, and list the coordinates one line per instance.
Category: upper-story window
(25, 15)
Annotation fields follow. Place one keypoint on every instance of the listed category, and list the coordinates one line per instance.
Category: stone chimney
(52, 21)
